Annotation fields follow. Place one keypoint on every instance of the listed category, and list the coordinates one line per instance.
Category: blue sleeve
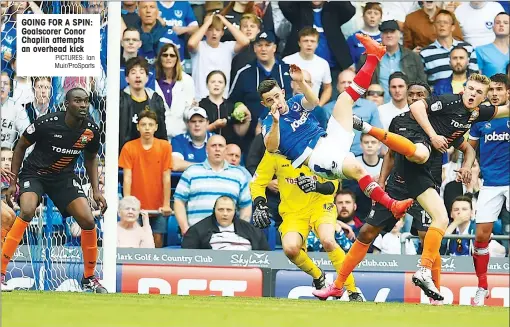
(266, 125)
(190, 15)
(474, 132)
(445, 158)
(151, 82)
(177, 144)
(182, 189)
(352, 50)
(286, 81)
(375, 120)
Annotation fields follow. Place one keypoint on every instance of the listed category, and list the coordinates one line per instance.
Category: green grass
(54, 309)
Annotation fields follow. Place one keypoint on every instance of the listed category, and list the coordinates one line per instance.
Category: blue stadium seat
(173, 237)
(270, 233)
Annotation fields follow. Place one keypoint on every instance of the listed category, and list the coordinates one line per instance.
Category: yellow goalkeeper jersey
(293, 199)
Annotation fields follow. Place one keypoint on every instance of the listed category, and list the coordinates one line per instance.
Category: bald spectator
(397, 58)
(476, 19)
(202, 183)
(375, 93)
(436, 57)
(316, 66)
(419, 29)
(233, 157)
(152, 33)
(363, 108)
(493, 57)
(222, 230)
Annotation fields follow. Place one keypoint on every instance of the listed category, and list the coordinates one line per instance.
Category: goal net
(49, 256)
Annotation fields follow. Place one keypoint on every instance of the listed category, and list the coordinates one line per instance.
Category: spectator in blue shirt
(129, 13)
(179, 16)
(189, 148)
(372, 15)
(493, 57)
(152, 33)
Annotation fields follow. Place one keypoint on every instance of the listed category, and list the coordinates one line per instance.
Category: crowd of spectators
(189, 104)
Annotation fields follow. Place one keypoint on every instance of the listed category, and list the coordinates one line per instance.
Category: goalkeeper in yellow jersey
(306, 203)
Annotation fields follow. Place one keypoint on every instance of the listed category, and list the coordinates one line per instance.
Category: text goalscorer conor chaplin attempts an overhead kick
(59, 139)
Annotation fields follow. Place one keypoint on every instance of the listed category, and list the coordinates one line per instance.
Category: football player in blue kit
(493, 138)
(290, 130)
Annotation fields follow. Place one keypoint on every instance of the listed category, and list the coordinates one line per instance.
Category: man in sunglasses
(375, 93)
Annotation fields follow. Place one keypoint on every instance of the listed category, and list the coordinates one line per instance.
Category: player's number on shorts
(425, 218)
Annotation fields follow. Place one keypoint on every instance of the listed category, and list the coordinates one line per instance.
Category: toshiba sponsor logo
(146, 279)
(460, 125)
(65, 151)
(493, 137)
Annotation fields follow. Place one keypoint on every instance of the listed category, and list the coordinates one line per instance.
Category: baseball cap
(195, 111)
(389, 25)
(266, 36)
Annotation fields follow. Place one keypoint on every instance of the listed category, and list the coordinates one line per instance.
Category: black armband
(326, 188)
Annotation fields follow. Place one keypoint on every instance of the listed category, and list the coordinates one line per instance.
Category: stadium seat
(173, 238)
(270, 233)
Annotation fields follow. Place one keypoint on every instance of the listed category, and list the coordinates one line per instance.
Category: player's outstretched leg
(292, 244)
(356, 253)
(28, 202)
(336, 254)
(80, 210)
(342, 111)
(481, 261)
(417, 153)
(352, 169)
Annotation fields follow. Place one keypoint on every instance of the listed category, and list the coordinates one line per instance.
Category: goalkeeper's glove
(310, 184)
(261, 213)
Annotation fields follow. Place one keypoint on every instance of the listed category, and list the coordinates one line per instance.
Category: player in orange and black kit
(59, 139)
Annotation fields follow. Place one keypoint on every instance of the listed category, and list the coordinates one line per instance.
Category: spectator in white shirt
(212, 54)
(398, 104)
(307, 59)
(370, 157)
(391, 244)
(476, 19)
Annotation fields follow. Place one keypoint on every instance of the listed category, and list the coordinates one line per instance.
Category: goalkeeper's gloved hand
(307, 184)
(310, 184)
(261, 214)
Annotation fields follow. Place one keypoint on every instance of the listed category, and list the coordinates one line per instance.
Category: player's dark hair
(74, 89)
(425, 85)
(4, 148)
(464, 198)
(308, 31)
(508, 69)
(41, 78)
(346, 191)
(501, 13)
(148, 114)
(214, 72)
(448, 13)
(130, 29)
(136, 61)
(501, 78)
(399, 75)
(266, 86)
(459, 47)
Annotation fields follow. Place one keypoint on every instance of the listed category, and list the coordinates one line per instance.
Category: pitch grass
(55, 309)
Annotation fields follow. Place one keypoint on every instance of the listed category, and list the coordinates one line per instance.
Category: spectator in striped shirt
(201, 184)
(436, 57)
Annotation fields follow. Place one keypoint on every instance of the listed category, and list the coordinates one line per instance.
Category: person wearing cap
(419, 30)
(397, 58)
(212, 54)
(247, 79)
(189, 148)
(316, 66)
(436, 56)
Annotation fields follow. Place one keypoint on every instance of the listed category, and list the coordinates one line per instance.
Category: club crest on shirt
(436, 106)
(178, 13)
(474, 114)
(31, 129)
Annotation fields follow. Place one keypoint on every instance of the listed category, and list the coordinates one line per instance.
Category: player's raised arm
(311, 99)
(419, 111)
(464, 173)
